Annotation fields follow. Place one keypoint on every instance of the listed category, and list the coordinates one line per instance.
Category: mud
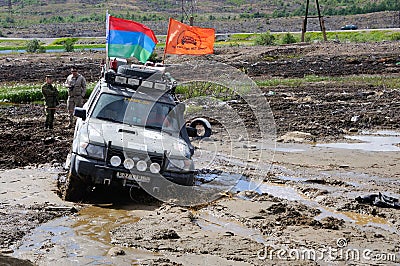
(304, 205)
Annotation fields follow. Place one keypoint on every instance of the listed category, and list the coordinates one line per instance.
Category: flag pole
(107, 39)
(166, 41)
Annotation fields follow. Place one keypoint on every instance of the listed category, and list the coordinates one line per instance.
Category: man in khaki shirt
(76, 85)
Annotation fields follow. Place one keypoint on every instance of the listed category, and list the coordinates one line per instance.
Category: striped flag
(128, 38)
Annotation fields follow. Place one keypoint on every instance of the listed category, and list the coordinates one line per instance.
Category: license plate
(137, 178)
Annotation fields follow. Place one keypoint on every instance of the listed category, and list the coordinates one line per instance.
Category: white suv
(131, 131)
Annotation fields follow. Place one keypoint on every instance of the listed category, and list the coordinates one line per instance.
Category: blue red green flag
(128, 38)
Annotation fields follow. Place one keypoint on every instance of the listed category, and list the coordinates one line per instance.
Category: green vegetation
(373, 81)
(334, 7)
(265, 39)
(66, 44)
(25, 12)
(34, 46)
(348, 36)
(395, 36)
(234, 40)
(27, 93)
(288, 38)
(202, 88)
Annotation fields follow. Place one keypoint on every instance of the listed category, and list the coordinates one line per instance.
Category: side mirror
(192, 132)
(80, 112)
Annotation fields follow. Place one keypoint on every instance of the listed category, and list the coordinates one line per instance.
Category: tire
(190, 181)
(74, 188)
(203, 131)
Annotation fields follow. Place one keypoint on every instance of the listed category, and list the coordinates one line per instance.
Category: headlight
(180, 165)
(91, 150)
(129, 163)
(141, 166)
(115, 161)
(155, 168)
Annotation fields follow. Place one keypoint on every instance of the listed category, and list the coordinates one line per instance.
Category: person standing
(50, 94)
(76, 85)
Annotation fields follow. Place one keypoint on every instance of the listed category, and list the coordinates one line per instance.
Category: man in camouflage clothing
(76, 85)
(50, 94)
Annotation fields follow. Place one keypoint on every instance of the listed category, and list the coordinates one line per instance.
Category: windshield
(137, 112)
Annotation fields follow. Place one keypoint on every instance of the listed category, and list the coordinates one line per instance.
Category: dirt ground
(304, 211)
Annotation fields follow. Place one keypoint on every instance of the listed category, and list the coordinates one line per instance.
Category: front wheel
(74, 188)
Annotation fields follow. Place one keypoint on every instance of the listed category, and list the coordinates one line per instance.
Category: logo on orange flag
(185, 39)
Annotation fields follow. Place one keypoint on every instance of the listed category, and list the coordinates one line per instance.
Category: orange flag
(185, 39)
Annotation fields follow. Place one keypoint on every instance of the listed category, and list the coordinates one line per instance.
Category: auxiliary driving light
(155, 168)
(115, 161)
(129, 163)
(141, 166)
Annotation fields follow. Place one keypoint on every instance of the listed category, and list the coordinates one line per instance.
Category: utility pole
(320, 18)
(187, 12)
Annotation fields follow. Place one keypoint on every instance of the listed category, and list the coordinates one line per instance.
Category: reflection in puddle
(370, 141)
(84, 239)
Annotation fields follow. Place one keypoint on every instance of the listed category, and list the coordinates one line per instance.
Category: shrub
(34, 46)
(265, 39)
(153, 58)
(61, 41)
(69, 45)
(395, 36)
(288, 38)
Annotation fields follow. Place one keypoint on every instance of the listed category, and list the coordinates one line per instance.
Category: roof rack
(135, 76)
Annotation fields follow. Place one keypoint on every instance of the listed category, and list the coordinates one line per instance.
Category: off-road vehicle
(131, 131)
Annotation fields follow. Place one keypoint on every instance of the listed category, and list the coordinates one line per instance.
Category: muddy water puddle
(82, 239)
(208, 222)
(379, 141)
(289, 193)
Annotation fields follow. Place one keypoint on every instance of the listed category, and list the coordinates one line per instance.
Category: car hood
(136, 138)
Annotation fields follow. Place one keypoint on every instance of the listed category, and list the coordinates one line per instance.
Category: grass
(342, 36)
(389, 82)
(239, 39)
(28, 93)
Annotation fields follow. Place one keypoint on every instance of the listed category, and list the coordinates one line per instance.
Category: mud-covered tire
(191, 180)
(74, 189)
(203, 130)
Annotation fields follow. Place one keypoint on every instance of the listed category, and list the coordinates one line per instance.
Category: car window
(136, 111)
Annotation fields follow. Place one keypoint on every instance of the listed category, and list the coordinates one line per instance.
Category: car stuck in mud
(131, 131)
